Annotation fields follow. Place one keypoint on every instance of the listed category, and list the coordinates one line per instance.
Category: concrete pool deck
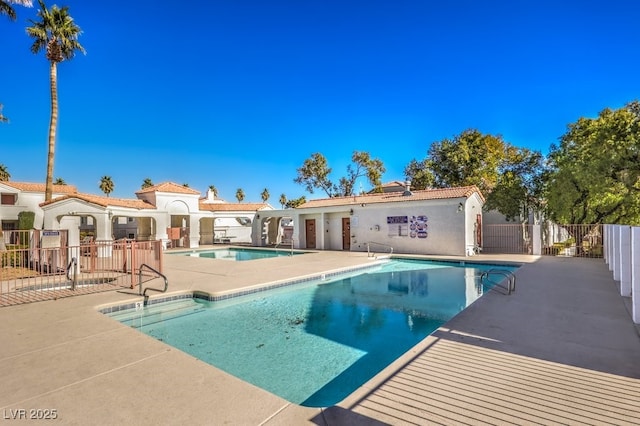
(562, 349)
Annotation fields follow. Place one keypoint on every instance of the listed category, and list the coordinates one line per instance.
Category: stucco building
(433, 221)
(173, 213)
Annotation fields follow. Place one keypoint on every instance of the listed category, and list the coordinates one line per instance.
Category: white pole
(635, 273)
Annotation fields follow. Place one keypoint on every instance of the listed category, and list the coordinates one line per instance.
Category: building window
(8, 199)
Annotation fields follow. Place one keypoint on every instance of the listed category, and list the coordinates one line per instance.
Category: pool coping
(224, 295)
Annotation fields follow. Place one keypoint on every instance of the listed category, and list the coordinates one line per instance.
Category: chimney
(407, 189)
(210, 195)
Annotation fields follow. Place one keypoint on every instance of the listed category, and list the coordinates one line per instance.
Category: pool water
(239, 254)
(313, 344)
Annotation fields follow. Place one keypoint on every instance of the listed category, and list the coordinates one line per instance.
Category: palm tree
(7, 9)
(59, 181)
(106, 185)
(240, 195)
(3, 119)
(283, 200)
(265, 195)
(213, 189)
(4, 173)
(146, 183)
(57, 34)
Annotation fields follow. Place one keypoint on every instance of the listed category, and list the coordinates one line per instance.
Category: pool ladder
(372, 254)
(291, 250)
(505, 274)
(144, 293)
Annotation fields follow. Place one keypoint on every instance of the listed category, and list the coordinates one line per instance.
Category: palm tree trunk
(53, 78)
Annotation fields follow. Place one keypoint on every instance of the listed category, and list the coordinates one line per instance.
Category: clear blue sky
(238, 93)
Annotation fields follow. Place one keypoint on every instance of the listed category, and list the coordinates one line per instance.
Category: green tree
(509, 177)
(519, 187)
(594, 174)
(420, 174)
(315, 171)
(59, 181)
(6, 7)
(4, 173)
(240, 195)
(213, 189)
(292, 204)
(265, 195)
(470, 158)
(146, 183)
(57, 34)
(106, 185)
(283, 200)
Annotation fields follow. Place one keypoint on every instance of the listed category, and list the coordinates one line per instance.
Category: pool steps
(152, 314)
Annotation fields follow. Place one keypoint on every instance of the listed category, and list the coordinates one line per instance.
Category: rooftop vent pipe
(407, 189)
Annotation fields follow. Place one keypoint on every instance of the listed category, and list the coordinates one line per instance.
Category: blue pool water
(238, 254)
(315, 343)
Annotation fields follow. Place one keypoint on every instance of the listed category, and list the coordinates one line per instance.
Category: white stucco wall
(445, 227)
(25, 202)
(449, 227)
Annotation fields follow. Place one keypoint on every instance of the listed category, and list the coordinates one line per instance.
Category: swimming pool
(315, 343)
(238, 254)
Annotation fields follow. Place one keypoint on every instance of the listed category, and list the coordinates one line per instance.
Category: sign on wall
(50, 239)
(418, 226)
(408, 226)
(398, 226)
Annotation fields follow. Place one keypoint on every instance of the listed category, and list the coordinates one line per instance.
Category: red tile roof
(232, 207)
(104, 201)
(169, 187)
(395, 197)
(40, 187)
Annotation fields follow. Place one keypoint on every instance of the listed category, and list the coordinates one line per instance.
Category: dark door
(346, 233)
(310, 226)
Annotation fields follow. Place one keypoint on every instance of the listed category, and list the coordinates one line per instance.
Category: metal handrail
(144, 293)
(508, 275)
(73, 280)
(370, 254)
(291, 250)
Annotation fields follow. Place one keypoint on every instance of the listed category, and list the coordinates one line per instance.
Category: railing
(373, 254)
(551, 239)
(73, 280)
(505, 274)
(290, 250)
(572, 240)
(33, 273)
(144, 293)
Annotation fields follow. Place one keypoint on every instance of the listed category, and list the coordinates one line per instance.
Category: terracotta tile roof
(169, 187)
(41, 187)
(104, 201)
(393, 184)
(395, 197)
(233, 207)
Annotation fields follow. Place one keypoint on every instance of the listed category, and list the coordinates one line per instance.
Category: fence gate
(574, 240)
(39, 271)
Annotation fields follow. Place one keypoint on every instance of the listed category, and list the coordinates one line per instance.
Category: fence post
(536, 240)
(635, 274)
(605, 244)
(615, 247)
(625, 260)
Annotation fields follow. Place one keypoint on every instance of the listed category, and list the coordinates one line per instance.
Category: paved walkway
(561, 350)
